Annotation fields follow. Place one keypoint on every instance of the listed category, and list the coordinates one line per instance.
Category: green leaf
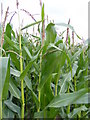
(28, 52)
(12, 106)
(49, 63)
(13, 33)
(77, 111)
(23, 74)
(8, 30)
(68, 26)
(67, 78)
(65, 25)
(79, 97)
(76, 55)
(78, 36)
(31, 25)
(4, 76)
(29, 85)
(11, 43)
(42, 14)
(58, 42)
(39, 114)
(4, 79)
(50, 34)
(7, 113)
(57, 48)
(62, 32)
(83, 99)
(28, 82)
(38, 38)
(36, 66)
(15, 60)
(66, 99)
(14, 72)
(69, 39)
(46, 94)
(14, 90)
(47, 114)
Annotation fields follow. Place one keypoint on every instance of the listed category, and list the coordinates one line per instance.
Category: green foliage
(4, 79)
(63, 73)
(50, 34)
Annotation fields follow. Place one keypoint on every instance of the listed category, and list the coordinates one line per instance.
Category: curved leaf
(67, 77)
(12, 106)
(14, 90)
(27, 26)
(29, 85)
(69, 98)
(4, 76)
(76, 111)
(23, 74)
(11, 43)
(49, 63)
(65, 25)
(14, 72)
(50, 34)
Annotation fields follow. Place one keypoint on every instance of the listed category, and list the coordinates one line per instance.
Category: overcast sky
(57, 10)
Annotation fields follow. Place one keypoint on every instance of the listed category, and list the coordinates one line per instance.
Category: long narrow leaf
(4, 74)
(29, 85)
(76, 111)
(42, 83)
(10, 42)
(65, 25)
(23, 74)
(69, 98)
(14, 72)
(31, 25)
(28, 52)
(14, 90)
(12, 106)
(67, 77)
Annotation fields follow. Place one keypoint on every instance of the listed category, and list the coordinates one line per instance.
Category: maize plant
(43, 76)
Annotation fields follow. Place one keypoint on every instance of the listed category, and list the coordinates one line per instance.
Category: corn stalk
(68, 108)
(42, 42)
(1, 45)
(21, 66)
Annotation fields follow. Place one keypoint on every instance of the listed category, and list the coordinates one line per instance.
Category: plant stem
(68, 108)
(58, 75)
(22, 88)
(56, 88)
(75, 87)
(1, 108)
(79, 115)
(67, 33)
(39, 82)
(75, 83)
(43, 36)
(73, 39)
(21, 69)
(57, 78)
(26, 109)
(44, 110)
